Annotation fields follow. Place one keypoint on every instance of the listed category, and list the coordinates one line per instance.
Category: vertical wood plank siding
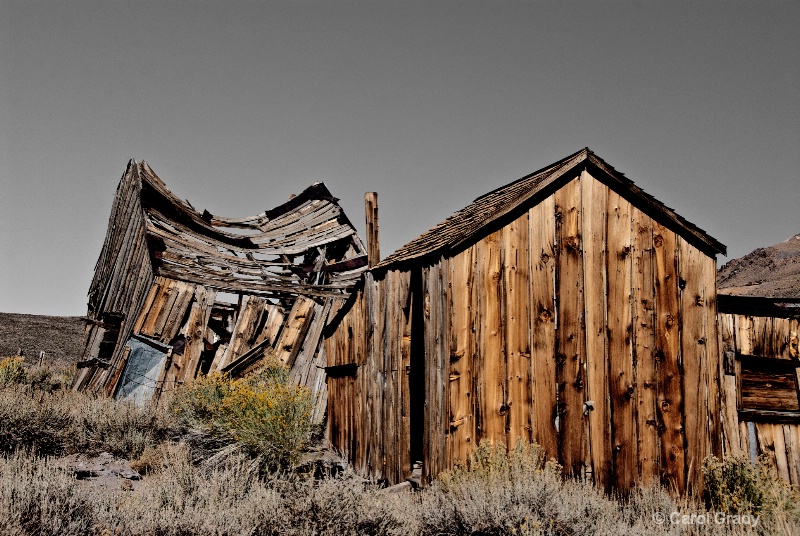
(580, 323)
(766, 337)
(123, 277)
(570, 334)
(624, 443)
(543, 325)
(644, 334)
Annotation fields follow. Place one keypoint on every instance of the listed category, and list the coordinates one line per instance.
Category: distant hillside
(60, 337)
(771, 272)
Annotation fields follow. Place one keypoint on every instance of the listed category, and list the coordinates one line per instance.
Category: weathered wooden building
(759, 326)
(177, 291)
(568, 308)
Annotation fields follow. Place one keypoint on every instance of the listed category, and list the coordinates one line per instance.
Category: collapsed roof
(305, 246)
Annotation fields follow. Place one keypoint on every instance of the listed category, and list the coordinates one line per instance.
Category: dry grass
(496, 493)
(500, 495)
(65, 422)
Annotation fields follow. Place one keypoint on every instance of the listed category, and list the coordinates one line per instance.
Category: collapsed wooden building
(178, 292)
(759, 324)
(569, 308)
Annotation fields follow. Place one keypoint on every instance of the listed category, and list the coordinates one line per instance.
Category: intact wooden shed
(568, 308)
(759, 326)
(177, 292)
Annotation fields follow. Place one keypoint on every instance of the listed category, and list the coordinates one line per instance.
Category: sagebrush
(265, 414)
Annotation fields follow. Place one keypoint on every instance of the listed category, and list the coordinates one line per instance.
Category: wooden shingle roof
(462, 226)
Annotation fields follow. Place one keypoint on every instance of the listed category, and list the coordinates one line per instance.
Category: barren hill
(60, 337)
(771, 272)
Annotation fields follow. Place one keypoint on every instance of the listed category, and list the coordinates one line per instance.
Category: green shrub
(264, 414)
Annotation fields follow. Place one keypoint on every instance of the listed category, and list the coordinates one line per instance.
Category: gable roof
(459, 228)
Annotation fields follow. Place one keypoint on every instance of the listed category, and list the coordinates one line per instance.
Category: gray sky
(236, 105)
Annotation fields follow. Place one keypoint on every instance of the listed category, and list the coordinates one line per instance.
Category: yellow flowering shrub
(265, 414)
(11, 370)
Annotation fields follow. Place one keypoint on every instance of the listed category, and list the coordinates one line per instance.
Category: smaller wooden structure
(759, 329)
(177, 291)
(568, 308)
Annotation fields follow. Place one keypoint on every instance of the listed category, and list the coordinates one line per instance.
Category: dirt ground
(60, 337)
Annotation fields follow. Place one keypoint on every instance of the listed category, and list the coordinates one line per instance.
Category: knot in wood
(545, 315)
(572, 243)
(658, 241)
(670, 321)
(545, 258)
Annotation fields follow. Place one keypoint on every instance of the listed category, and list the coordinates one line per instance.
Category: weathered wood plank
(491, 378)
(670, 403)
(791, 433)
(155, 288)
(543, 328)
(373, 237)
(766, 441)
(598, 405)
(730, 424)
(404, 280)
(114, 376)
(178, 312)
(714, 360)
(624, 440)
(294, 331)
(570, 336)
(695, 372)
(646, 390)
(516, 266)
(781, 459)
(436, 359)
(462, 424)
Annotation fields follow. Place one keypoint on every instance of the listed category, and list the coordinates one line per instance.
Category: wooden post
(373, 242)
